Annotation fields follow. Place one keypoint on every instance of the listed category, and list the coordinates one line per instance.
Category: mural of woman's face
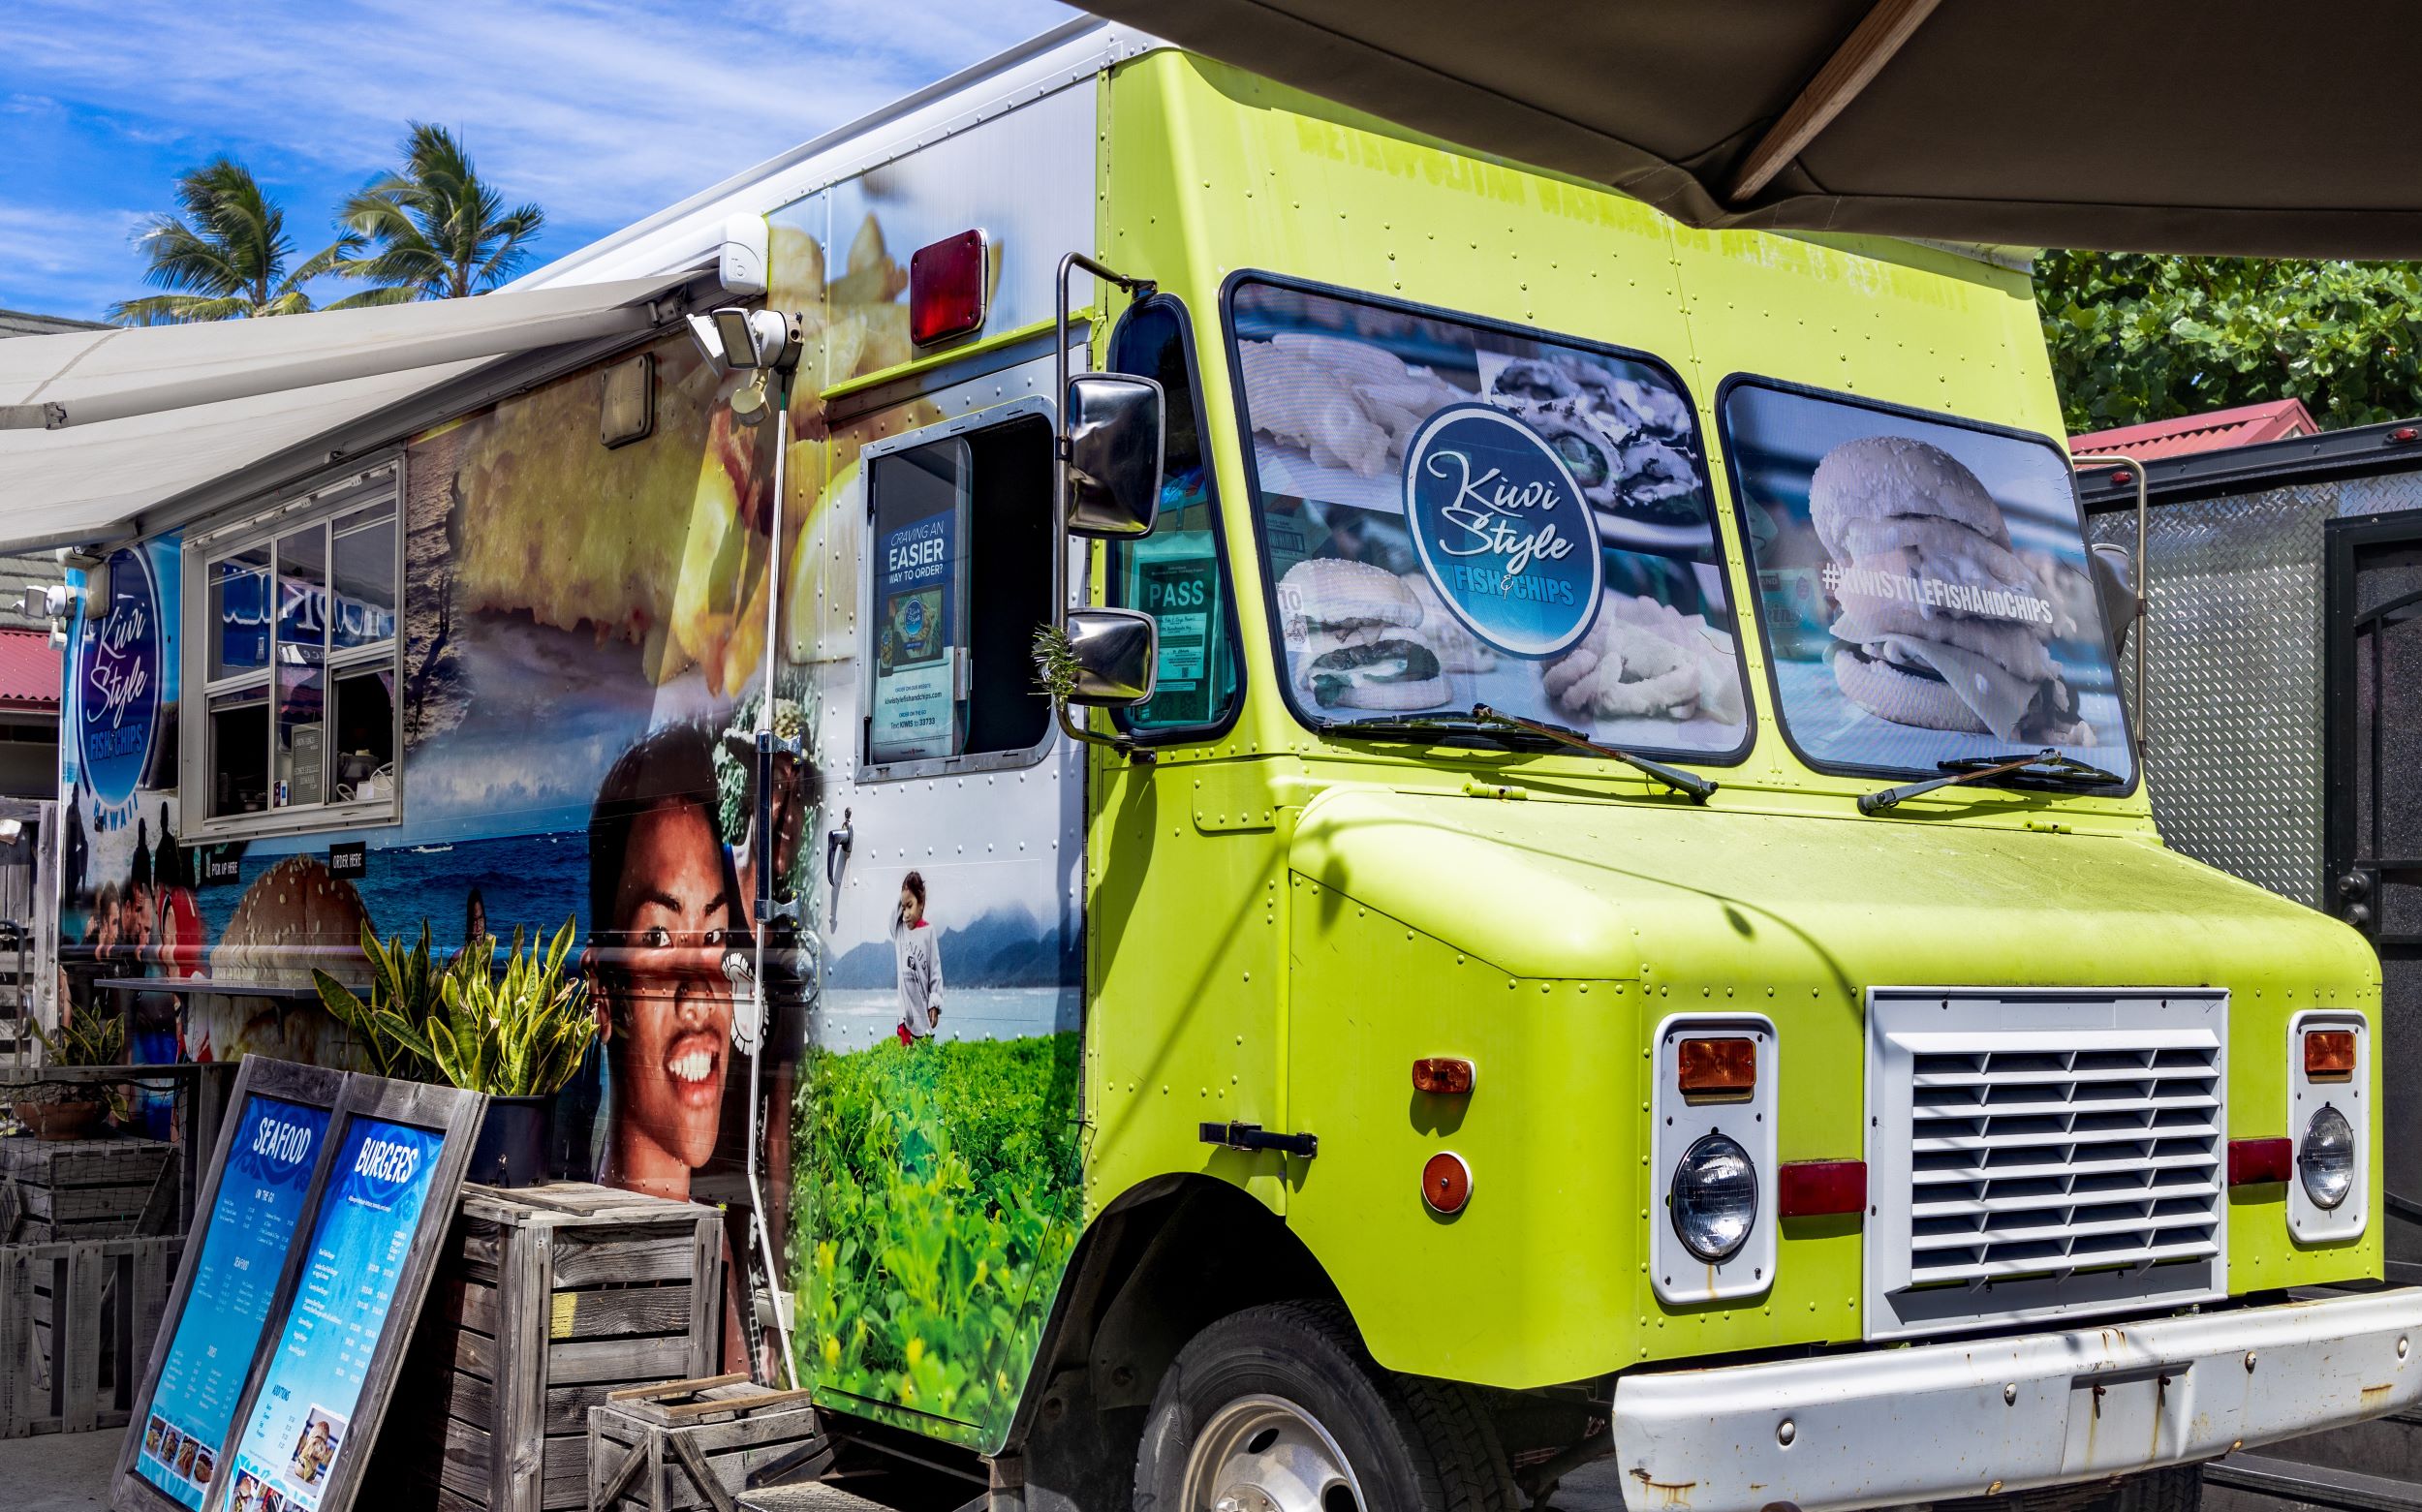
(670, 1013)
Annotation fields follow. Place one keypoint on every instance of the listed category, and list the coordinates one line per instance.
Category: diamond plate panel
(2234, 748)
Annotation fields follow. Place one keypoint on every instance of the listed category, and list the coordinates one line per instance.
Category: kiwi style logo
(117, 684)
(1502, 530)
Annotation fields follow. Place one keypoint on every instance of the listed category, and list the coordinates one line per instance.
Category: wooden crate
(548, 1300)
(86, 1189)
(76, 1321)
(699, 1444)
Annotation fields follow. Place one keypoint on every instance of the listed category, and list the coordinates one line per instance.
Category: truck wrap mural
(513, 676)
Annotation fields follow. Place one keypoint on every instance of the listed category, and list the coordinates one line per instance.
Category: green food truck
(1575, 881)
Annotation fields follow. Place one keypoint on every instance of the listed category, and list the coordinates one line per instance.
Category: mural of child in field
(916, 951)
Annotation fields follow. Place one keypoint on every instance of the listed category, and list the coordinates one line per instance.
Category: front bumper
(1981, 1416)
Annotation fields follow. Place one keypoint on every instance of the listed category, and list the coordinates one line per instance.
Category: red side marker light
(2252, 1163)
(1815, 1189)
(1445, 1183)
(2405, 436)
(1445, 1076)
(2329, 1055)
(2120, 477)
(946, 287)
(1717, 1067)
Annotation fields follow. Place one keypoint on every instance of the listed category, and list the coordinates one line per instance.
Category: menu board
(251, 1222)
(361, 1243)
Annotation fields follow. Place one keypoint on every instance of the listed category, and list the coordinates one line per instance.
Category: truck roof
(687, 233)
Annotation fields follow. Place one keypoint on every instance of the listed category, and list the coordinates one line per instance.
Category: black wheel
(2177, 1489)
(1280, 1409)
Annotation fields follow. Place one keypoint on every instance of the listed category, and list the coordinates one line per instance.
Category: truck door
(936, 1159)
(2373, 817)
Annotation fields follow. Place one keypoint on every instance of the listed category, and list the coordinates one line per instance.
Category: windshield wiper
(2048, 765)
(1482, 719)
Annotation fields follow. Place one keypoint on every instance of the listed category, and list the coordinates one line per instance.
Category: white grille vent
(2039, 1155)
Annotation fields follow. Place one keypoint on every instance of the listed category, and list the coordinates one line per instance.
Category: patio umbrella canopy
(2215, 126)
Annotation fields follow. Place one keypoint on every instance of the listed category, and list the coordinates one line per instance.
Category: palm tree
(440, 233)
(227, 256)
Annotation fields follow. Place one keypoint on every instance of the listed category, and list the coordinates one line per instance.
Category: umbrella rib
(1854, 66)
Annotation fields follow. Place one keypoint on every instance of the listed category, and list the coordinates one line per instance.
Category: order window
(1176, 573)
(297, 644)
(950, 660)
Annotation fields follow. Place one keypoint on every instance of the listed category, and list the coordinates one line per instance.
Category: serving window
(294, 647)
(949, 681)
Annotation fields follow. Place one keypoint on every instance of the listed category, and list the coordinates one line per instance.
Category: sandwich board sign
(248, 1210)
(282, 1388)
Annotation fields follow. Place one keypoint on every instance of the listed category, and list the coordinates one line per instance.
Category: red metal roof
(2216, 431)
(29, 670)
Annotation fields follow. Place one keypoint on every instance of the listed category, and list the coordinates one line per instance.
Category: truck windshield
(1923, 586)
(1453, 513)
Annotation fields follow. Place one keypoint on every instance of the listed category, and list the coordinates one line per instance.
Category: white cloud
(50, 253)
(600, 112)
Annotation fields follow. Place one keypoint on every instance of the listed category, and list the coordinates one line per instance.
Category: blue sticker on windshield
(1502, 530)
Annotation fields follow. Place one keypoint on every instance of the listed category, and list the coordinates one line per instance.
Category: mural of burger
(1940, 624)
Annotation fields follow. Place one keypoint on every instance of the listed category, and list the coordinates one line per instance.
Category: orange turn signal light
(1717, 1067)
(2329, 1055)
(1445, 1183)
(1445, 1075)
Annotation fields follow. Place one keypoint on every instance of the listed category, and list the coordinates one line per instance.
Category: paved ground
(58, 1472)
(70, 1472)
(1595, 1487)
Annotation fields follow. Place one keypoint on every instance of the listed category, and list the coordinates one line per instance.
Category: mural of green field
(936, 1197)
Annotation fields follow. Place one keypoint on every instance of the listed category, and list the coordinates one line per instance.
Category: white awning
(147, 416)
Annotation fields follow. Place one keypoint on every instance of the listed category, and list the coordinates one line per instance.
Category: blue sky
(598, 111)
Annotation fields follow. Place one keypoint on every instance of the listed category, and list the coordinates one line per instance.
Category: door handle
(837, 844)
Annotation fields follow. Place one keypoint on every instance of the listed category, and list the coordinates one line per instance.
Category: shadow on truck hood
(1553, 889)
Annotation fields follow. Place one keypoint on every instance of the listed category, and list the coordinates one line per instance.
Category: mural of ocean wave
(529, 880)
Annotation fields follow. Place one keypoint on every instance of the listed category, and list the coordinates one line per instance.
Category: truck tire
(2177, 1489)
(1279, 1408)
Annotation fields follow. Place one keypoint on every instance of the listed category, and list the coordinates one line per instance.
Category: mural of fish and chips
(1458, 514)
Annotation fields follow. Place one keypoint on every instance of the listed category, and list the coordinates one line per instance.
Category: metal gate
(2373, 816)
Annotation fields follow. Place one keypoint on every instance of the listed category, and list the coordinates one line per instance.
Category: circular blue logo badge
(1502, 530)
(913, 618)
(118, 684)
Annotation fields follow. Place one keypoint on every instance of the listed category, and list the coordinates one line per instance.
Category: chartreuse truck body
(1593, 894)
(2036, 1084)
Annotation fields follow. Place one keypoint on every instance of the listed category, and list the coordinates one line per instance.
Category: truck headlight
(1714, 1197)
(2325, 1158)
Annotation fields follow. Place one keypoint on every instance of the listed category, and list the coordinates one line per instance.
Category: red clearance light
(1443, 1075)
(2252, 1163)
(946, 287)
(2329, 1055)
(1446, 1184)
(2405, 436)
(2120, 477)
(1815, 1189)
(1717, 1067)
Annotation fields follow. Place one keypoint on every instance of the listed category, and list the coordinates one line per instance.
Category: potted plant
(517, 1035)
(69, 1110)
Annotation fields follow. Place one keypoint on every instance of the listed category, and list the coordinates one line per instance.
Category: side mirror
(1117, 652)
(2114, 572)
(1114, 441)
